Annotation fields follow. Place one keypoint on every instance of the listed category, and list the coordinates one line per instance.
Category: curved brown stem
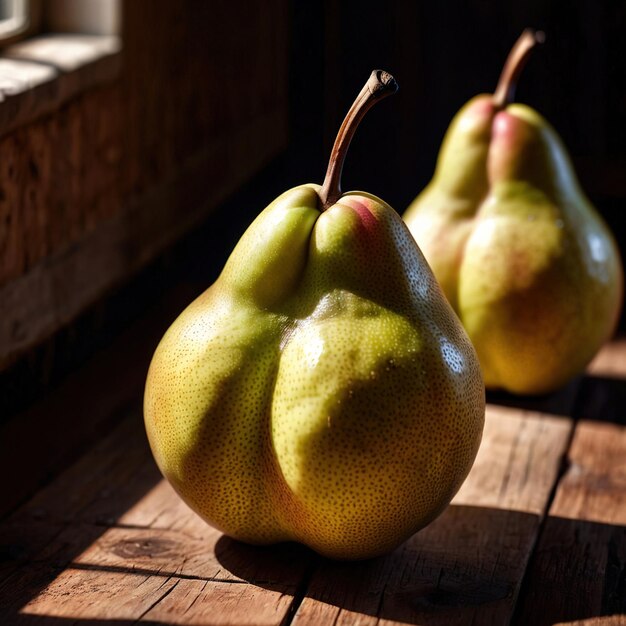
(379, 85)
(515, 62)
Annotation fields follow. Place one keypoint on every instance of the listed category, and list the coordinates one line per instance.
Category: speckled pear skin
(322, 390)
(528, 264)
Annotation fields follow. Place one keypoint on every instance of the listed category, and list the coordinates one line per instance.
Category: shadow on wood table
(471, 582)
(443, 573)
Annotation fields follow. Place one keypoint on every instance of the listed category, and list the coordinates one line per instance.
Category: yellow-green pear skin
(322, 390)
(521, 254)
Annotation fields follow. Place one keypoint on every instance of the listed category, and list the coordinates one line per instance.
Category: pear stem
(379, 85)
(515, 62)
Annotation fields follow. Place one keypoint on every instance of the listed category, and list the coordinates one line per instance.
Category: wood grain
(578, 571)
(109, 539)
(124, 529)
(53, 292)
(466, 567)
(519, 458)
(110, 479)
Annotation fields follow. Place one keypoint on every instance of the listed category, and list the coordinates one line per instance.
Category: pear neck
(379, 85)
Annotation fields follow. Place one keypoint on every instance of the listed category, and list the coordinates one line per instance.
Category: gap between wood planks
(593, 450)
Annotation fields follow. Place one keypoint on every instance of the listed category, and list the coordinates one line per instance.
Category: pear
(521, 254)
(322, 389)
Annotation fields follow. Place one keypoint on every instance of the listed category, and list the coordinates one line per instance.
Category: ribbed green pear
(523, 257)
(322, 389)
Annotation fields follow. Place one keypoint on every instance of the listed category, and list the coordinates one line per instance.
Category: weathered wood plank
(594, 486)
(220, 604)
(112, 477)
(214, 576)
(109, 539)
(78, 594)
(467, 566)
(42, 542)
(42, 567)
(55, 291)
(578, 571)
(518, 460)
(28, 530)
(122, 572)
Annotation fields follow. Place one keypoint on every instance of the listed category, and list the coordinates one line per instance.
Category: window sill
(40, 74)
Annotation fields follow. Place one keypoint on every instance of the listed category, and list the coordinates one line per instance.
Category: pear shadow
(577, 572)
(280, 567)
(589, 397)
(560, 402)
(421, 579)
(467, 565)
(602, 398)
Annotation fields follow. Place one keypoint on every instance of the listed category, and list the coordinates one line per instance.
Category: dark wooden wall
(94, 192)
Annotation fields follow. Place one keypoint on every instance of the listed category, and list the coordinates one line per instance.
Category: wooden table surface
(537, 535)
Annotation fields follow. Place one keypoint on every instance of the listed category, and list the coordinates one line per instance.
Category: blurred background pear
(523, 257)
